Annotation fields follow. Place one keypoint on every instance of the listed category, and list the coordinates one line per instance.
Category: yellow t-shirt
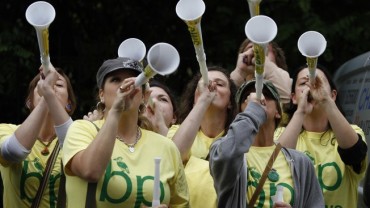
(336, 179)
(200, 182)
(280, 174)
(129, 177)
(201, 145)
(21, 180)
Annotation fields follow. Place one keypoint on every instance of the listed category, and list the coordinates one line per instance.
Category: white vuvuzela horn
(311, 44)
(132, 48)
(40, 15)
(261, 30)
(156, 189)
(163, 59)
(254, 7)
(191, 12)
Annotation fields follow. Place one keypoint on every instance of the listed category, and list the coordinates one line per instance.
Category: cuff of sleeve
(13, 151)
(61, 130)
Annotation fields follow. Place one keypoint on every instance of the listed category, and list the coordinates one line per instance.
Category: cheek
(295, 97)
(62, 94)
(298, 91)
(224, 92)
(167, 111)
(166, 108)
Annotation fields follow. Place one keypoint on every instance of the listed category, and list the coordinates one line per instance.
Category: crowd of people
(219, 144)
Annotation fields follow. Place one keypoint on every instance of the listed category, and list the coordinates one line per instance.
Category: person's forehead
(218, 75)
(61, 78)
(304, 72)
(158, 91)
(128, 72)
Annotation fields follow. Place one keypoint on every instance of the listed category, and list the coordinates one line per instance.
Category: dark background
(85, 33)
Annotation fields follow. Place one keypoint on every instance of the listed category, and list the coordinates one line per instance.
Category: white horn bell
(163, 59)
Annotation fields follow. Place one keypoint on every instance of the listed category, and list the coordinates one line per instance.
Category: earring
(68, 107)
(28, 104)
(100, 106)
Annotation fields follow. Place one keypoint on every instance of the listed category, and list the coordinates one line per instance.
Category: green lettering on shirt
(262, 196)
(53, 195)
(104, 195)
(337, 170)
(24, 176)
(104, 191)
(140, 198)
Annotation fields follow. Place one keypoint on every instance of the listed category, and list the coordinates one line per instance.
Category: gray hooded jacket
(229, 168)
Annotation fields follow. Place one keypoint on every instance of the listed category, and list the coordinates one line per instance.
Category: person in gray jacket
(238, 160)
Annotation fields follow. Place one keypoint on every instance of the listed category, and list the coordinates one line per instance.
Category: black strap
(48, 169)
(90, 195)
(96, 127)
(61, 203)
(91, 188)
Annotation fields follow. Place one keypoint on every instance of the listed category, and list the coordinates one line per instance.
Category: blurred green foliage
(85, 33)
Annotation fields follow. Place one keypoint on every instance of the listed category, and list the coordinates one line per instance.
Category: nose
(151, 102)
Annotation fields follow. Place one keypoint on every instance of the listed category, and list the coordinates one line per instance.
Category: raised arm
(227, 154)
(289, 137)
(185, 135)
(27, 133)
(16, 147)
(90, 163)
(45, 100)
(47, 88)
(280, 78)
(245, 68)
(344, 133)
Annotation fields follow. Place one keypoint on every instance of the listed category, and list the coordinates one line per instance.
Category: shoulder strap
(90, 196)
(97, 128)
(264, 175)
(49, 165)
(61, 203)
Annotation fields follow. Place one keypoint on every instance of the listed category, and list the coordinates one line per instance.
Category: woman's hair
(187, 99)
(277, 51)
(71, 95)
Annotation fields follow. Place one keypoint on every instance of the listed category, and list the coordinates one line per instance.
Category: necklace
(131, 147)
(45, 151)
